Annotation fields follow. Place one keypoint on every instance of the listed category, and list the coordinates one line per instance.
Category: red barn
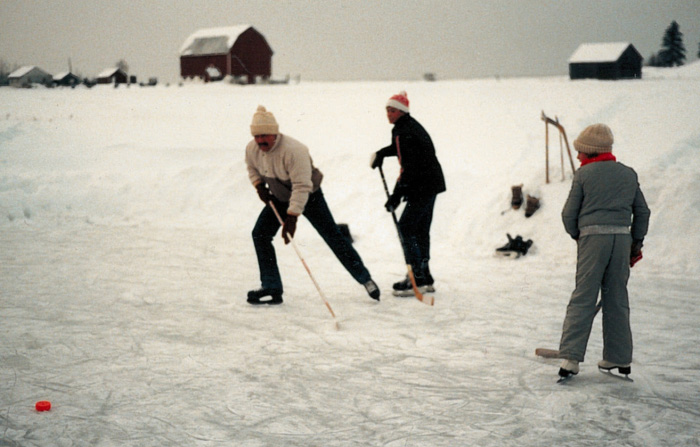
(238, 51)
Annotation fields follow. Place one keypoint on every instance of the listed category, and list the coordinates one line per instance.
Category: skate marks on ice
(141, 336)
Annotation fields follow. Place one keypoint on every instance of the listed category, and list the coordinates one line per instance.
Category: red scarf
(605, 156)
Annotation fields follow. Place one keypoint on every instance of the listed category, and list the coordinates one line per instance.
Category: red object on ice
(43, 405)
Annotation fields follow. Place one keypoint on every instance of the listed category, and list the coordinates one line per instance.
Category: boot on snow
(533, 204)
(517, 199)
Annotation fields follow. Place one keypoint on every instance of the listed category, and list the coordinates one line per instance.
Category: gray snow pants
(603, 265)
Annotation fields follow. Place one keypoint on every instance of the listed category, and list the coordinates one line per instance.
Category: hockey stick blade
(547, 353)
(429, 300)
(554, 353)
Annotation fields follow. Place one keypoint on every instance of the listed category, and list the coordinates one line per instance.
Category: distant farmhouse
(28, 75)
(112, 75)
(609, 61)
(66, 79)
(214, 53)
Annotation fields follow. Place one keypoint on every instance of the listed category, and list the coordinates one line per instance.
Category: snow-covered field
(125, 220)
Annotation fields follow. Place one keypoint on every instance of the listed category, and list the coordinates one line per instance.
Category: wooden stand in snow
(562, 135)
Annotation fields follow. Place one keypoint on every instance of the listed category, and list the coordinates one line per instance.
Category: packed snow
(125, 221)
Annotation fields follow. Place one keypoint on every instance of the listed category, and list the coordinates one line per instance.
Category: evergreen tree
(673, 50)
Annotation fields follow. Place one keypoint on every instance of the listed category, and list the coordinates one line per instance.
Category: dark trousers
(414, 225)
(320, 217)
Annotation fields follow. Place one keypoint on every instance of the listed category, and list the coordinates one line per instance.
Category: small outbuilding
(608, 61)
(112, 75)
(66, 79)
(237, 51)
(28, 75)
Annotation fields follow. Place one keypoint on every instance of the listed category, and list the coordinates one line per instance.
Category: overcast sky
(341, 39)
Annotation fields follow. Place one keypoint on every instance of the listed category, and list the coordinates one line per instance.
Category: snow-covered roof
(22, 71)
(108, 72)
(212, 40)
(599, 52)
(62, 75)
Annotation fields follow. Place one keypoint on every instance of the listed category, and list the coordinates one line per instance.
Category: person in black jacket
(420, 181)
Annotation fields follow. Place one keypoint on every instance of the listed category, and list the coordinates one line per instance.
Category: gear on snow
(515, 247)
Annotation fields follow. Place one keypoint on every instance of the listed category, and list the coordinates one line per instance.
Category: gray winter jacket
(606, 194)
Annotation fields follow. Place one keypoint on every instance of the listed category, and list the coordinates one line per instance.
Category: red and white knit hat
(399, 102)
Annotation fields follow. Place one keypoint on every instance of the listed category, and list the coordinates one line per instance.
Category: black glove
(376, 160)
(289, 227)
(394, 199)
(636, 252)
(263, 192)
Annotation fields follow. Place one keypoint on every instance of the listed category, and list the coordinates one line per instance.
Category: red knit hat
(399, 102)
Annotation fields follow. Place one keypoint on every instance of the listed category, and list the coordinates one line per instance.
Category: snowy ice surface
(125, 220)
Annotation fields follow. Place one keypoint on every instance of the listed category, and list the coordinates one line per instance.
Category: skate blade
(565, 379)
(608, 372)
(409, 293)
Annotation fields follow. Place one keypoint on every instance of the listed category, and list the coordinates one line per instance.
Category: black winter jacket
(421, 173)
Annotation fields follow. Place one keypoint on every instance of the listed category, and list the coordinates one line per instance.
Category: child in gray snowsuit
(607, 215)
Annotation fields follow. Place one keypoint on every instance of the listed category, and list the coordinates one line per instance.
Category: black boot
(403, 285)
(255, 295)
(372, 289)
(424, 283)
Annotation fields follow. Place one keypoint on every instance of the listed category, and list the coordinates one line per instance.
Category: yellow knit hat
(595, 139)
(264, 123)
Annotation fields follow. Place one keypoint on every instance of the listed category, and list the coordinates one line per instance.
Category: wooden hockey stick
(291, 239)
(429, 300)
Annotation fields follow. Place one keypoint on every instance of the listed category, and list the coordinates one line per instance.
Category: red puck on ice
(43, 405)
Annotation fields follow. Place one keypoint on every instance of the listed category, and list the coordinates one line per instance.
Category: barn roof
(599, 52)
(212, 40)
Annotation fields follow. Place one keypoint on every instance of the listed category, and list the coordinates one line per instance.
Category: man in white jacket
(281, 170)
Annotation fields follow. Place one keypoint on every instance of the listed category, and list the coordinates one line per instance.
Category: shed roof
(599, 52)
(108, 72)
(24, 71)
(212, 40)
(59, 76)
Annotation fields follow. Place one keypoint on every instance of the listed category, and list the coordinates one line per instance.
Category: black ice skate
(274, 294)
